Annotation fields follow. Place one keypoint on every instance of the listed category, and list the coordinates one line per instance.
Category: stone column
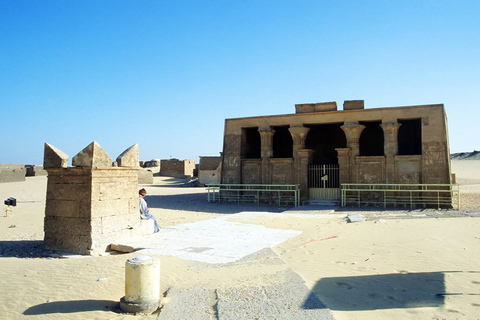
(301, 158)
(352, 133)
(344, 164)
(299, 134)
(304, 158)
(390, 136)
(266, 136)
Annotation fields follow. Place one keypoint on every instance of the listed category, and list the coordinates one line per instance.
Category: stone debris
(355, 218)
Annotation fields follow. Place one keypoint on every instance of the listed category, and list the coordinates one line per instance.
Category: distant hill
(475, 155)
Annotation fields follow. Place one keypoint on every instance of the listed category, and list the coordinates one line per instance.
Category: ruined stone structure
(91, 204)
(35, 171)
(152, 165)
(12, 172)
(177, 168)
(209, 170)
(383, 145)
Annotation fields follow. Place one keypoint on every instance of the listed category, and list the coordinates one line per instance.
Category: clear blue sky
(166, 74)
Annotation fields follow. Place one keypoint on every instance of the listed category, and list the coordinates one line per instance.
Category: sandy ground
(420, 264)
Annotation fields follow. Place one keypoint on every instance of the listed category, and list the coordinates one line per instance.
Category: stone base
(145, 307)
(148, 226)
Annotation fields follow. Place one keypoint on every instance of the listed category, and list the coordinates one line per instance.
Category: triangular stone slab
(54, 158)
(129, 157)
(92, 156)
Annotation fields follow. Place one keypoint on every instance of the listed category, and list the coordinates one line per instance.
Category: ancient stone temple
(320, 147)
(91, 204)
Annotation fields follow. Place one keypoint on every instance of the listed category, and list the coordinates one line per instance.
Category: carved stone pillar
(344, 164)
(390, 147)
(266, 136)
(304, 158)
(352, 133)
(301, 158)
(299, 134)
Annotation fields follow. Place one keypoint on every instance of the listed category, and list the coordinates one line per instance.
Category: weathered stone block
(353, 104)
(12, 172)
(129, 157)
(54, 158)
(68, 191)
(92, 156)
(66, 226)
(145, 176)
(316, 107)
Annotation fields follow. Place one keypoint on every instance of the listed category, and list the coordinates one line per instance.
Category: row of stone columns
(346, 155)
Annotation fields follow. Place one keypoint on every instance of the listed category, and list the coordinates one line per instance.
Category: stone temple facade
(383, 145)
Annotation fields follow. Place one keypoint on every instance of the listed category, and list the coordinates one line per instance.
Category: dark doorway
(410, 137)
(251, 143)
(371, 139)
(323, 139)
(282, 143)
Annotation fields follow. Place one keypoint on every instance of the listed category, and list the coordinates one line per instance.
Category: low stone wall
(177, 168)
(35, 170)
(12, 172)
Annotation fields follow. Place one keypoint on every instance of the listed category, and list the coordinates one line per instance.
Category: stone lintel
(129, 157)
(92, 156)
(354, 104)
(315, 107)
(54, 158)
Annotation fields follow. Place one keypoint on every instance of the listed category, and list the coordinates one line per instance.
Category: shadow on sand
(22, 249)
(198, 202)
(385, 291)
(73, 306)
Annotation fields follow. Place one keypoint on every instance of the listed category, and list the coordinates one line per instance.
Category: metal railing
(407, 195)
(256, 193)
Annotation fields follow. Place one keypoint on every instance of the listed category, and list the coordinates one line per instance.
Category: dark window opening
(282, 143)
(410, 137)
(251, 144)
(323, 140)
(371, 139)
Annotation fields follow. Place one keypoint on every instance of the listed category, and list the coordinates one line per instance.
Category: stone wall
(35, 171)
(177, 168)
(12, 172)
(92, 204)
(209, 170)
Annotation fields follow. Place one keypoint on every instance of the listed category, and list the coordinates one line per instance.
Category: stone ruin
(92, 204)
(177, 168)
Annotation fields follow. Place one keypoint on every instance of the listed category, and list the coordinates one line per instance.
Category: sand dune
(420, 264)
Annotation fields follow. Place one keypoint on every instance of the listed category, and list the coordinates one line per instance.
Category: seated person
(144, 213)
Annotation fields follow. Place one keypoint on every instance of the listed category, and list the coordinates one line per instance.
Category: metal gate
(324, 182)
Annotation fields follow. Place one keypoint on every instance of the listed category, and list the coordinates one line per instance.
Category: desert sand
(397, 264)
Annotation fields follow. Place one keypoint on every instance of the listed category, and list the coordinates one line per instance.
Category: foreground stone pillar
(92, 205)
(142, 285)
(390, 136)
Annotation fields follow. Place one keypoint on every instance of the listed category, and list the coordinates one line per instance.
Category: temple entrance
(324, 171)
(324, 182)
